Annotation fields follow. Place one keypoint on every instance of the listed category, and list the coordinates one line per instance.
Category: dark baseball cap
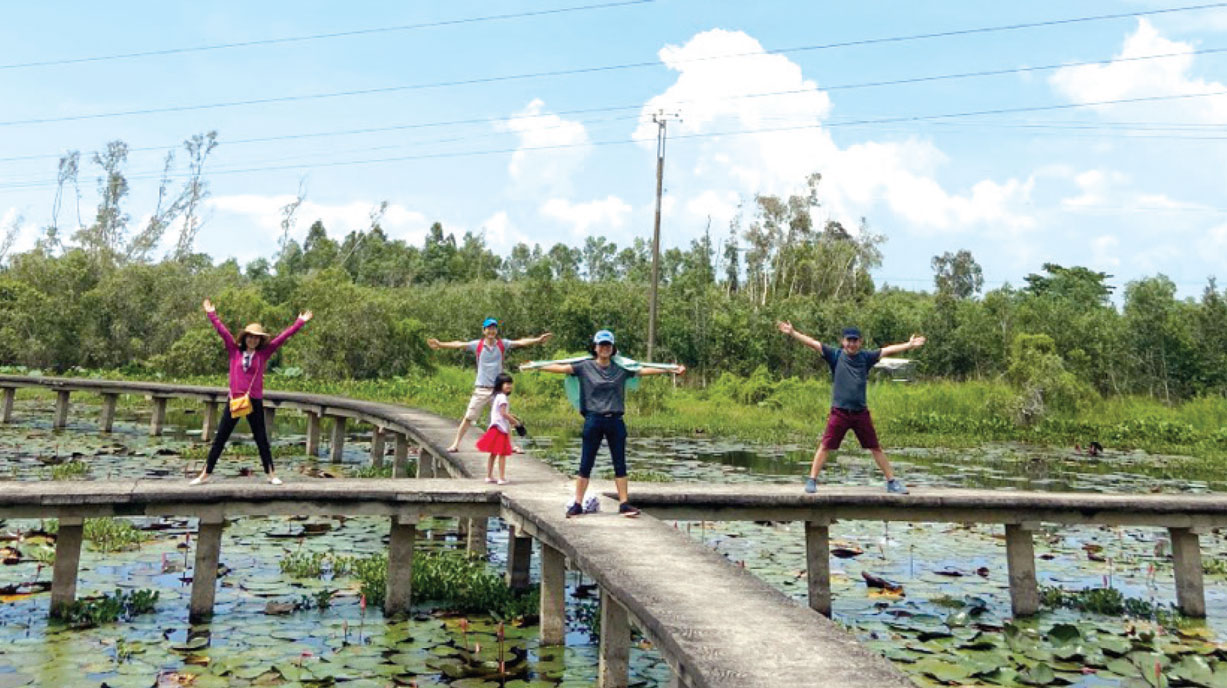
(852, 333)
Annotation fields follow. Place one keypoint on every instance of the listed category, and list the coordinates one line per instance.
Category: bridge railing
(1185, 517)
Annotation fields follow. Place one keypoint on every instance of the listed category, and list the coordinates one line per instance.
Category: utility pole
(661, 120)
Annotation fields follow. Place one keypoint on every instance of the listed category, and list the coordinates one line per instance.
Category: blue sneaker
(811, 485)
(895, 486)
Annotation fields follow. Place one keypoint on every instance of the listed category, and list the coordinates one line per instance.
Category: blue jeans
(613, 431)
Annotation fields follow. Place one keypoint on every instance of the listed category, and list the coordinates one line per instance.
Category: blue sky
(1133, 189)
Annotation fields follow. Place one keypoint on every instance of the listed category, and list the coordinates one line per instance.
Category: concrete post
(519, 558)
(1186, 560)
(67, 560)
(426, 464)
(400, 462)
(818, 566)
(615, 651)
(553, 596)
(377, 448)
(61, 409)
(477, 537)
(159, 416)
(107, 421)
(399, 595)
(270, 421)
(336, 447)
(313, 433)
(209, 425)
(1020, 560)
(204, 573)
(676, 681)
(6, 405)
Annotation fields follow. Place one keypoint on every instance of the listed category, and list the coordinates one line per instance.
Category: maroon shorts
(841, 421)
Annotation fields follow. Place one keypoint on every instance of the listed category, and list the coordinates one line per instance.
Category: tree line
(96, 297)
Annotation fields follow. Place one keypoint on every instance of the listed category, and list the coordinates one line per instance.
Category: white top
(498, 413)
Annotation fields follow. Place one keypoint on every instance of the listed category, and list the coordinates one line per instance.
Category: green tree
(957, 275)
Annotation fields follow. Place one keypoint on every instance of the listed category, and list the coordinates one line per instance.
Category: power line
(318, 36)
(696, 135)
(486, 120)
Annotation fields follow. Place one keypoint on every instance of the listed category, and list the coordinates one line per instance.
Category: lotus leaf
(1064, 634)
(1039, 674)
(942, 670)
(1193, 669)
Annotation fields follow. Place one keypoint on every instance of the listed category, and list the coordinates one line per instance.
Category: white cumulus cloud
(769, 95)
(1128, 77)
(551, 149)
(601, 215)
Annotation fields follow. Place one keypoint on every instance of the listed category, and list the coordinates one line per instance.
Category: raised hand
(432, 343)
(306, 316)
(916, 341)
(681, 370)
(545, 337)
(208, 306)
(784, 326)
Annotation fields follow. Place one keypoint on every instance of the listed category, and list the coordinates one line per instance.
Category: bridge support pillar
(399, 595)
(336, 447)
(1020, 560)
(159, 416)
(67, 560)
(553, 596)
(519, 558)
(270, 421)
(426, 464)
(61, 409)
(209, 425)
(818, 565)
(313, 433)
(204, 572)
(476, 543)
(377, 447)
(107, 421)
(1186, 560)
(6, 404)
(400, 460)
(615, 650)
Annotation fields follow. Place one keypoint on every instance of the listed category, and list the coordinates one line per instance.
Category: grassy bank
(921, 414)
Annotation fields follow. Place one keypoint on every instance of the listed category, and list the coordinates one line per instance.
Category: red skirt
(495, 442)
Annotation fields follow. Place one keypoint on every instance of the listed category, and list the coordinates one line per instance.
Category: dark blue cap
(852, 333)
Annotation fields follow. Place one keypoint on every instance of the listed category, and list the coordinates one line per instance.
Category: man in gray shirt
(490, 351)
(850, 366)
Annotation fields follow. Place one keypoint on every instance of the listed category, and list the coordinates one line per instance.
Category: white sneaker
(199, 480)
(503, 481)
(274, 481)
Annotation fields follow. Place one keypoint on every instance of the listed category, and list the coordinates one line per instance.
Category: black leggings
(256, 420)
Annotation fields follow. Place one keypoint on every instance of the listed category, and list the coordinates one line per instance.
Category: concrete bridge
(714, 623)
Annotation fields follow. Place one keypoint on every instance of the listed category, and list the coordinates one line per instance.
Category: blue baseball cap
(852, 333)
(488, 322)
(603, 337)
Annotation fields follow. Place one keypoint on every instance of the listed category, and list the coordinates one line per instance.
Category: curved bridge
(715, 623)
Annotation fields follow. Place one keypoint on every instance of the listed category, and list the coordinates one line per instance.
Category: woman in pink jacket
(247, 359)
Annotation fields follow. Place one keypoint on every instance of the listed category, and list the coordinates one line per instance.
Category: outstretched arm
(915, 342)
(219, 326)
(436, 344)
(560, 368)
(290, 331)
(680, 370)
(530, 341)
(787, 328)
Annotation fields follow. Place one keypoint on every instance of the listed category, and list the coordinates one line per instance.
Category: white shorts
(482, 396)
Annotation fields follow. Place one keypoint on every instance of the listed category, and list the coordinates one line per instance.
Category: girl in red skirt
(497, 440)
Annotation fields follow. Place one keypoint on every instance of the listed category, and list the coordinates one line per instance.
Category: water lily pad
(942, 670)
(1063, 634)
(1038, 675)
